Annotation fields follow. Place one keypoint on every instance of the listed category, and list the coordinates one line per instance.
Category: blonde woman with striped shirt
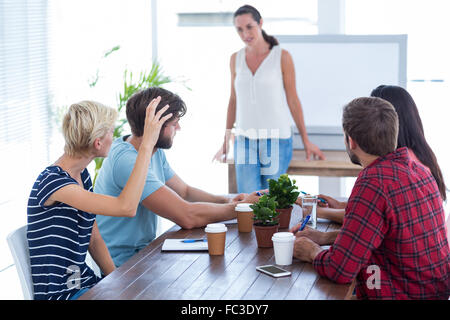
(62, 207)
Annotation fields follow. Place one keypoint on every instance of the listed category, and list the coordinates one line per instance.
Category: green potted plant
(284, 190)
(266, 220)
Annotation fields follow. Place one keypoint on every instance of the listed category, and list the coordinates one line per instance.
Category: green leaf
(113, 49)
(283, 190)
(264, 210)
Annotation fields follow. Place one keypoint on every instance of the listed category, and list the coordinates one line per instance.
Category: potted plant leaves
(266, 220)
(284, 190)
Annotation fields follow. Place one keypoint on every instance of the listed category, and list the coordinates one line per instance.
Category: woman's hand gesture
(153, 123)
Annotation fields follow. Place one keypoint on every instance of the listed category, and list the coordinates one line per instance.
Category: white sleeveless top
(261, 106)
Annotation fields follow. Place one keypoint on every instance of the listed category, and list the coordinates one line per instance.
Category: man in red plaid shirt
(393, 238)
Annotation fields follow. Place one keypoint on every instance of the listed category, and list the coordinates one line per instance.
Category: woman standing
(263, 99)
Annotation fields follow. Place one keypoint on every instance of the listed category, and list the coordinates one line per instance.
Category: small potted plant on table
(284, 190)
(266, 220)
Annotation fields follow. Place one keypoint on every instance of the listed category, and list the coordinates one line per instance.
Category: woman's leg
(246, 162)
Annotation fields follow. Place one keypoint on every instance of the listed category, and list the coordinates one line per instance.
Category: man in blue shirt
(165, 194)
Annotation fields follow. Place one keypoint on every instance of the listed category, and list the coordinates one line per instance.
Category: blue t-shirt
(126, 236)
(58, 238)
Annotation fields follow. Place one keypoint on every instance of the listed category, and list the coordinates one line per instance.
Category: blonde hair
(84, 122)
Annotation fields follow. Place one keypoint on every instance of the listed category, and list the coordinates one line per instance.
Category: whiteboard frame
(330, 134)
(400, 39)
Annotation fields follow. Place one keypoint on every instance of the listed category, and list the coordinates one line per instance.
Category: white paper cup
(216, 233)
(283, 246)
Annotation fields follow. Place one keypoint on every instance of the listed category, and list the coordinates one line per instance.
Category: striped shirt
(58, 238)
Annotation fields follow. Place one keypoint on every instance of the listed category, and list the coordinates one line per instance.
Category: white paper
(179, 245)
(232, 221)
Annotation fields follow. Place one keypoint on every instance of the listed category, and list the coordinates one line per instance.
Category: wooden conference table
(337, 164)
(152, 274)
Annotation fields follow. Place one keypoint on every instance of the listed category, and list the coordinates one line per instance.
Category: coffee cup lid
(216, 228)
(283, 237)
(243, 207)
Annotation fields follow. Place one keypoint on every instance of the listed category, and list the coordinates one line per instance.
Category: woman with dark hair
(263, 99)
(410, 135)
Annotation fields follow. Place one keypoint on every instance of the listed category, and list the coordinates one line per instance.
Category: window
(196, 40)
(24, 107)
(427, 25)
(50, 51)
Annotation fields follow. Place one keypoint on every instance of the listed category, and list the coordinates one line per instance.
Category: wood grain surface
(152, 274)
(337, 164)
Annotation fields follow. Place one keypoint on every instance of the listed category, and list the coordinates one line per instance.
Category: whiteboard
(331, 70)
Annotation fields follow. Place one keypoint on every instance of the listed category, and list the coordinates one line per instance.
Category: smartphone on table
(273, 271)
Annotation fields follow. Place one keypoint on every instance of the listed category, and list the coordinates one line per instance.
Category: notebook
(178, 245)
(232, 221)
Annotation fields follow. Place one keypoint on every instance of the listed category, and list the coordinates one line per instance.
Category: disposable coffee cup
(216, 233)
(283, 246)
(244, 217)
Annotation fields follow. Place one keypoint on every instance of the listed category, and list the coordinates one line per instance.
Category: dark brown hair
(410, 133)
(137, 105)
(247, 9)
(373, 124)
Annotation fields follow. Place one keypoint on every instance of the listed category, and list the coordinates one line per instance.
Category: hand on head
(154, 122)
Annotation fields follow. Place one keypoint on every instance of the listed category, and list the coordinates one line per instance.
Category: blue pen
(193, 240)
(305, 221)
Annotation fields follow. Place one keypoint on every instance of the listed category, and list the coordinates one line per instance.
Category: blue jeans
(257, 160)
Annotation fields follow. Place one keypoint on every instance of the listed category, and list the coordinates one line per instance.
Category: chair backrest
(18, 244)
(91, 264)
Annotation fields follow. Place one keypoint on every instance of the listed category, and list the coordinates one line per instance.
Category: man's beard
(353, 158)
(164, 142)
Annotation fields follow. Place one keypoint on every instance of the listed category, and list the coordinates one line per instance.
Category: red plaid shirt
(394, 227)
